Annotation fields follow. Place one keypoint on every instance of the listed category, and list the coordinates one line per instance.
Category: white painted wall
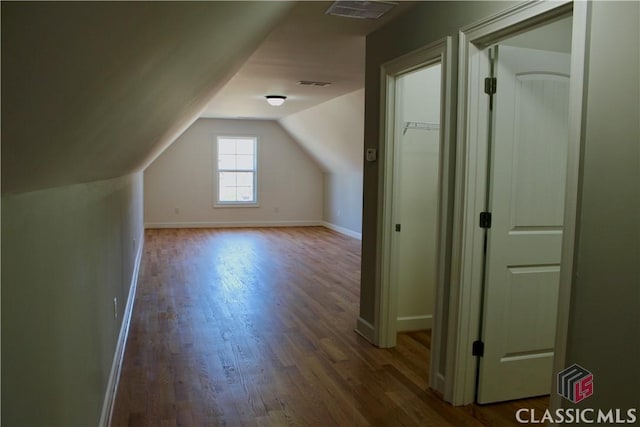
(555, 37)
(421, 95)
(179, 185)
(67, 253)
(417, 204)
(333, 133)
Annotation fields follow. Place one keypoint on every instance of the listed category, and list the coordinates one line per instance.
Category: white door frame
(471, 174)
(386, 295)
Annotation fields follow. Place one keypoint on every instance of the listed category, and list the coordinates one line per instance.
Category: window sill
(236, 205)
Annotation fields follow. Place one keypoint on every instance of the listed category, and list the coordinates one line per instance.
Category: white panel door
(526, 200)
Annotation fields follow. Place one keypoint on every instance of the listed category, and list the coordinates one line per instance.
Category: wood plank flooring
(254, 327)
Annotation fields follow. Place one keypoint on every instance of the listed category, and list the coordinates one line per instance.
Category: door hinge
(490, 85)
(485, 219)
(478, 348)
(398, 227)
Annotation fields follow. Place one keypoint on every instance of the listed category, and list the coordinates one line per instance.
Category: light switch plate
(372, 154)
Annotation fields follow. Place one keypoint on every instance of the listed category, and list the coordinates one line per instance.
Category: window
(237, 170)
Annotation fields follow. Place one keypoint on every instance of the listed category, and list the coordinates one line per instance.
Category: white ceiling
(96, 90)
(306, 45)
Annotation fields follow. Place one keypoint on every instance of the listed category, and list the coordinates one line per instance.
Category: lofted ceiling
(96, 90)
(307, 45)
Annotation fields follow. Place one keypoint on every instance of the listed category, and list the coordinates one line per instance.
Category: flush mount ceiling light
(360, 9)
(276, 100)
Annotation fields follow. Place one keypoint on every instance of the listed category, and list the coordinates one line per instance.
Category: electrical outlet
(115, 308)
(177, 210)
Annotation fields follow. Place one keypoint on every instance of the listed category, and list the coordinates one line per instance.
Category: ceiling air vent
(360, 9)
(312, 83)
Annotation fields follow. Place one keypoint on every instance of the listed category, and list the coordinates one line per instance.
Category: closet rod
(420, 126)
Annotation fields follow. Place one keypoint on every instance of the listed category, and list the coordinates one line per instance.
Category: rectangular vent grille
(312, 83)
(360, 9)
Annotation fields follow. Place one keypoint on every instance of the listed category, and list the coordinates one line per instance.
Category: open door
(526, 200)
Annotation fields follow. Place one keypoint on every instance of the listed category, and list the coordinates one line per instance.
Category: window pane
(227, 161)
(245, 179)
(228, 179)
(227, 194)
(245, 146)
(226, 146)
(236, 169)
(245, 194)
(244, 162)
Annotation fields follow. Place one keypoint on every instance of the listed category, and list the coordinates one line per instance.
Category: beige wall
(604, 334)
(342, 205)
(289, 181)
(332, 133)
(67, 253)
(425, 23)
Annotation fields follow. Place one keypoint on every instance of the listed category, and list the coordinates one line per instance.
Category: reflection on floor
(255, 327)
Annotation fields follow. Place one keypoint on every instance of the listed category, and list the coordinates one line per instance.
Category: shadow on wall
(333, 134)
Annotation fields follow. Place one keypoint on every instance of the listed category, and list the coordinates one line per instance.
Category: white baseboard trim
(342, 230)
(116, 366)
(233, 224)
(366, 330)
(414, 323)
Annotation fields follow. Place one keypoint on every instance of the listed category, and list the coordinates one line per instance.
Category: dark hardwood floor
(235, 327)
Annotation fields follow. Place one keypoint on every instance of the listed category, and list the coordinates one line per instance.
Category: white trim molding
(342, 230)
(465, 296)
(234, 224)
(577, 110)
(255, 203)
(116, 366)
(414, 323)
(386, 322)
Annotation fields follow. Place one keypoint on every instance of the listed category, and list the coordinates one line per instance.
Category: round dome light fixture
(276, 100)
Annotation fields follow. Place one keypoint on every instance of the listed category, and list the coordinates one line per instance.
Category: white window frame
(217, 203)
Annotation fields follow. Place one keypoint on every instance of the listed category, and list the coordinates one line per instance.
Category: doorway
(528, 136)
(519, 210)
(415, 221)
(416, 194)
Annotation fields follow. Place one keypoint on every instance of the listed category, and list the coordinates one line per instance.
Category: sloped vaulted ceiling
(94, 90)
(332, 132)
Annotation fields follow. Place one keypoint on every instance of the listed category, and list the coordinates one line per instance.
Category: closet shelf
(420, 126)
